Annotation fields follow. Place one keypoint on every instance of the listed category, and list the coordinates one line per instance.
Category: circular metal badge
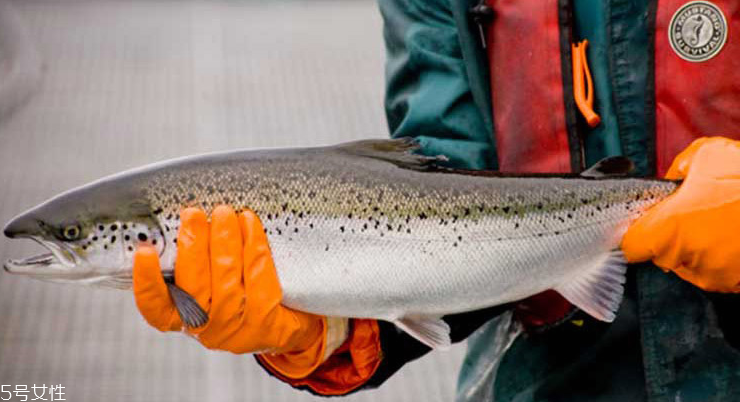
(698, 30)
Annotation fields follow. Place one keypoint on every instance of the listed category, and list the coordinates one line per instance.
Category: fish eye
(71, 232)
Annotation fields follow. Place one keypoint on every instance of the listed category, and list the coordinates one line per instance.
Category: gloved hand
(227, 267)
(694, 232)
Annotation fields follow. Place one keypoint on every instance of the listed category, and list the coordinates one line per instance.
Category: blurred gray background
(92, 88)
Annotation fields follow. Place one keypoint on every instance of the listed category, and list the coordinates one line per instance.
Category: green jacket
(671, 341)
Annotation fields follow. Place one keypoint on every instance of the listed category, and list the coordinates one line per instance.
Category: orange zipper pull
(581, 73)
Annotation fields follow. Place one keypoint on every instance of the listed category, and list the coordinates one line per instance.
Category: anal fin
(431, 331)
(599, 290)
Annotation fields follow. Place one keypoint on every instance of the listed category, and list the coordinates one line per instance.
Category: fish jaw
(59, 258)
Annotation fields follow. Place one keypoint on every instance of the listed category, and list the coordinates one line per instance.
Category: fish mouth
(59, 256)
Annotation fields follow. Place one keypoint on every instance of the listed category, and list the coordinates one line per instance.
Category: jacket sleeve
(428, 93)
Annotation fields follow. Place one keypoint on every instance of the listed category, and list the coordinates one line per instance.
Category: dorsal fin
(609, 167)
(399, 152)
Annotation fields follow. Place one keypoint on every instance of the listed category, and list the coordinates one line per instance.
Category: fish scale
(369, 229)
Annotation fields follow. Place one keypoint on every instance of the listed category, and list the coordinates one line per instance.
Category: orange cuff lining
(347, 369)
(299, 364)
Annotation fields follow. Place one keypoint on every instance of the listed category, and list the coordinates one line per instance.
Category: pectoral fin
(431, 331)
(598, 291)
(190, 312)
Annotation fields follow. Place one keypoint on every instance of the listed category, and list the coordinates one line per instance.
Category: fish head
(90, 235)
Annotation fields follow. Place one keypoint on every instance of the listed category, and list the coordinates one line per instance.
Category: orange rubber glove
(694, 232)
(227, 267)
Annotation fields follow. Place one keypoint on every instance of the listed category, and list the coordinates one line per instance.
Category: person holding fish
(532, 88)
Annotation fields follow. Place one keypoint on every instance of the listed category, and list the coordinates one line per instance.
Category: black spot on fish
(364, 226)
(467, 212)
(142, 237)
(310, 225)
(454, 244)
(174, 240)
(570, 216)
(285, 207)
(112, 239)
(341, 228)
(408, 231)
(584, 201)
(422, 215)
(113, 227)
(459, 238)
(105, 246)
(327, 248)
(506, 209)
(154, 241)
(349, 215)
(539, 205)
(84, 247)
(158, 211)
(95, 238)
(300, 215)
(130, 248)
(295, 230)
(389, 227)
(100, 227)
(375, 209)
(516, 225)
(127, 237)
